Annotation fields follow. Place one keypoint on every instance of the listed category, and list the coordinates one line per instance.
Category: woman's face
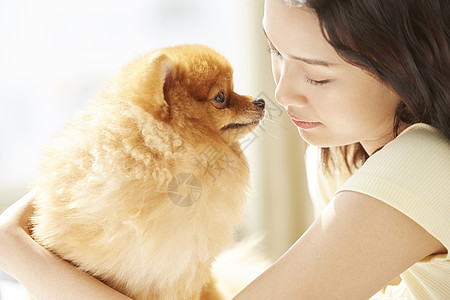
(332, 102)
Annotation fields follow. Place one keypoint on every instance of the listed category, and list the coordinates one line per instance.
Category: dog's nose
(260, 103)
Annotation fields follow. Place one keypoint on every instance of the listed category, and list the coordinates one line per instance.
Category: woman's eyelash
(307, 79)
(316, 82)
(273, 51)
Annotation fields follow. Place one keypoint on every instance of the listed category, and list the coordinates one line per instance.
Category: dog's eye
(220, 97)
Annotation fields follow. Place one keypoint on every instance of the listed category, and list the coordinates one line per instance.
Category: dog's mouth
(239, 125)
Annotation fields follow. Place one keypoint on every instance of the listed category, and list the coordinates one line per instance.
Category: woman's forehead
(296, 31)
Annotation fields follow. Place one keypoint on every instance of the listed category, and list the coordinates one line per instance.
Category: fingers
(19, 213)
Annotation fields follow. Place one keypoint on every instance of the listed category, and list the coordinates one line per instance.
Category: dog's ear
(159, 68)
(151, 77)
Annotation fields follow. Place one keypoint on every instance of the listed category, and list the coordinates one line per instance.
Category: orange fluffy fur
(102, 194)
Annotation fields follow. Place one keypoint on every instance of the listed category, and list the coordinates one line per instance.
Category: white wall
(56, 55)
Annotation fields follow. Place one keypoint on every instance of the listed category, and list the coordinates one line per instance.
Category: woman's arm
(357, 246)
(43, 274)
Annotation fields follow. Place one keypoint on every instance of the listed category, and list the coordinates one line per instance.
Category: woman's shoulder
(420, 151)
(423, 133)
(420, 148)
(412, 174)
(416, 164)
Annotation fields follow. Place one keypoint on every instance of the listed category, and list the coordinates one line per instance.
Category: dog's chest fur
(103, 203)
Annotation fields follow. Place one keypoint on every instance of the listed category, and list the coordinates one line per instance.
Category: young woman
(368, 82)
(370, 79)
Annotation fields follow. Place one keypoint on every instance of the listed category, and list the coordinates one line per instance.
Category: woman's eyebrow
(310, 61)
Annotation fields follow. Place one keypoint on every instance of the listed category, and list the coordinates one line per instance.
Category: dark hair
(403, 43)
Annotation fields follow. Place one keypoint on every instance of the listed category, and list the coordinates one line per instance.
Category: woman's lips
(304, 124)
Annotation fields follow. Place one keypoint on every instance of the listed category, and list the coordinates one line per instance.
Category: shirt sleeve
(411, 174)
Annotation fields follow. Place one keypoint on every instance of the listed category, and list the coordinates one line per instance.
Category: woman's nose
(288, 90)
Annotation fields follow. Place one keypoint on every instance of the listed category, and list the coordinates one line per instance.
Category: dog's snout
(259, 103)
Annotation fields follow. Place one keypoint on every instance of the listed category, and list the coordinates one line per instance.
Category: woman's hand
(42, 273)
(18, 214)
(14, 221)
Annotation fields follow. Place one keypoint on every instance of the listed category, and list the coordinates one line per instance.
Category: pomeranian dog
(144, 188)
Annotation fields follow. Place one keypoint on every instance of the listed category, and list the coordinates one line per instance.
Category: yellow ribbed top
(412, 174)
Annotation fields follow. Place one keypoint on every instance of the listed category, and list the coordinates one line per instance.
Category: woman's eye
(220, 98)
(273, 51)
(316, 82)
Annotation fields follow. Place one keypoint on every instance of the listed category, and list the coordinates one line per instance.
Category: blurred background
(56, 55)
